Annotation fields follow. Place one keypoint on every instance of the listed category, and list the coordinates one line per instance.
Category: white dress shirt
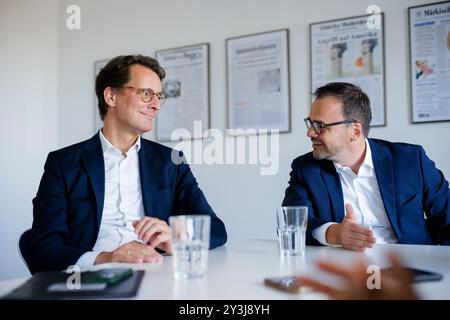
(362, 192)
(123, 200)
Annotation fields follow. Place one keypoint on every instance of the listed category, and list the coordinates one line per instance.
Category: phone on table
(291, 285)
(108, 276)
(285, 283)
(94, 280)
(419, 275)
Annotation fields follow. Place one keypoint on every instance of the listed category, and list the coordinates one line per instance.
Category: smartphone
(285, 283)
(108, 276)
(420, 275)
(63, 287)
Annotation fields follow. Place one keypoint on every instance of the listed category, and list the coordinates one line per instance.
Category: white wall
(245, 200)
(28, 121)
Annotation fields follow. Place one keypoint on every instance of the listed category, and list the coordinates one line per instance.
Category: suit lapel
(333, 184)
(95, 167)
(385, 177)
(150, 171)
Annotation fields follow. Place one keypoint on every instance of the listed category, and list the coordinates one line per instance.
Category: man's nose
(311, 133)
(154, 104)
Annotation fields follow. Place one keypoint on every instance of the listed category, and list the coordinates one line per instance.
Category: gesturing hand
(395, 284)
(349, 234)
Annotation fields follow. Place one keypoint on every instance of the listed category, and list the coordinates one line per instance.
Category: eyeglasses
(317, 126)
(147, 94)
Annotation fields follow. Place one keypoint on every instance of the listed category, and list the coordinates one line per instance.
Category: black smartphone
(420, 275)
(285, 283)
(108, 276)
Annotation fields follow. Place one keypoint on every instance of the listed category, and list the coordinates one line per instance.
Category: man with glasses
(108, 199)
(363, 191)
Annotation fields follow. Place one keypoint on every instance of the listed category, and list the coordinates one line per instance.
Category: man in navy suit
(392, 192)
(108, 199)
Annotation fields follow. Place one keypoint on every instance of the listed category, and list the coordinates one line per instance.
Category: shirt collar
(368, 159)
(109, 148)
(366, 167)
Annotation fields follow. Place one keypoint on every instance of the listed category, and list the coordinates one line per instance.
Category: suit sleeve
(436, 197)
(190, 199)
(47, 248)
(297, 195)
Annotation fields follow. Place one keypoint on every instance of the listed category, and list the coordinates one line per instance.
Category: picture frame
(351, 50)
(98, 122)
(429, 53)
(258, 83)
(186, 113)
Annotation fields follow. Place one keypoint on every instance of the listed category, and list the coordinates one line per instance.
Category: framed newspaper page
(98, 122)
(186, 88)
(429, 34)
(351, 50)
(258, 93)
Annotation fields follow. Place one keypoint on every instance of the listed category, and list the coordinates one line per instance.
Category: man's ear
(110, 96)
(357, 131)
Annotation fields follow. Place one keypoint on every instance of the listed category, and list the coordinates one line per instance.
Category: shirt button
(124, 224)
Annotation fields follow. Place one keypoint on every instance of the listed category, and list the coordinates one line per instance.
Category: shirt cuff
(87, 259)
(319, 233)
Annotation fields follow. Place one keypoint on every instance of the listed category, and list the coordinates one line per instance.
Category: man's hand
(394, 285)
(349, 234)
(154, 232)
(131, 252)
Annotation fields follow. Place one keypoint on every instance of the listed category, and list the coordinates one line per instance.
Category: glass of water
(190, 242)
(292, 222)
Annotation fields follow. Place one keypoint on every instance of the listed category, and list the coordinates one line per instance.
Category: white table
(237, 271)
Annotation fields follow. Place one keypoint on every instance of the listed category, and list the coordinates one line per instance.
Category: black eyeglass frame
(317, 126)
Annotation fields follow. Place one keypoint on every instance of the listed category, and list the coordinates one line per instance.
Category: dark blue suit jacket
(410, 186)
(68, 207)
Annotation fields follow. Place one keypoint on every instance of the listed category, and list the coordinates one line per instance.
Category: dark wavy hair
(356, 104)
(117, 73)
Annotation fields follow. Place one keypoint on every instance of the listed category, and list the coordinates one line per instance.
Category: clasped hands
(153, 233)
